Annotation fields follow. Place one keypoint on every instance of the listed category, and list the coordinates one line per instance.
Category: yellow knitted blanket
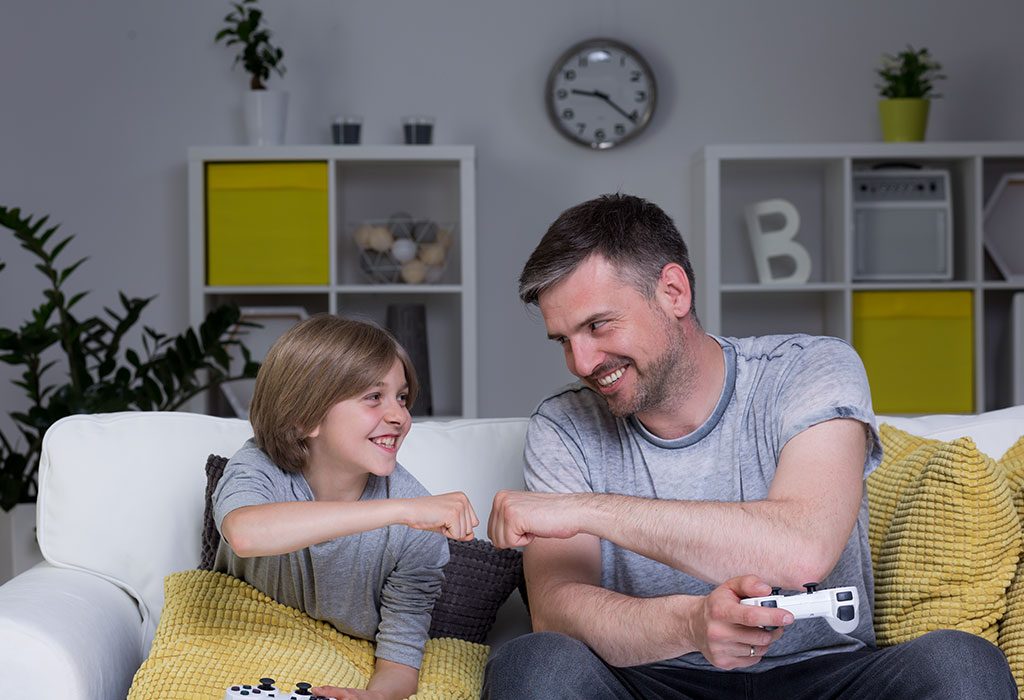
(216, 631)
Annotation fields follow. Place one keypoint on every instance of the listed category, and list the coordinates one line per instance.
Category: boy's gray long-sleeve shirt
(379, 585)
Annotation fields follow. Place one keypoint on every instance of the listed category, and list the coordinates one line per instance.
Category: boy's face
(362, 435)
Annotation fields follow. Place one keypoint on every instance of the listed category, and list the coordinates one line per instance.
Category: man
(683, 473)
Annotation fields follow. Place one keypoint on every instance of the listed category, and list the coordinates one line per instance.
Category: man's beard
(666, 375)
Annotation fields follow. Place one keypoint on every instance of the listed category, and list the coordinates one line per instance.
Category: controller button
(844, 595)
(811, 587)
(846, 613)
(235, 688)
(769, 604)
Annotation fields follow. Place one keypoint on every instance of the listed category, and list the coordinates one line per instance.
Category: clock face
(600, 93)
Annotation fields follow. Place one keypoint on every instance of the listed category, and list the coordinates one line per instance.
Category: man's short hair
(636, 236)
(314, 365)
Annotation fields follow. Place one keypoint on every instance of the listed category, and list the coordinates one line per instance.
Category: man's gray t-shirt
(378, 585)
(775, 387)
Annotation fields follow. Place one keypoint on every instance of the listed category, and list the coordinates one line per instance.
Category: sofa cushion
(945, 538)
(1011, 629)
(477, 580)
(120, 496)
(478, 577)
(211, 538)
(217, 631)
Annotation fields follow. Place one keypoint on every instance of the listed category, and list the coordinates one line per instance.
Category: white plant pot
(19, 550)
(265, 115)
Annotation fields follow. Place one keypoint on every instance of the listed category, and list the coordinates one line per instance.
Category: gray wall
(100, 101)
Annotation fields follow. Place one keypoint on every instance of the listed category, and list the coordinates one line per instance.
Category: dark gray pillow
(211, 537)
(477, 579)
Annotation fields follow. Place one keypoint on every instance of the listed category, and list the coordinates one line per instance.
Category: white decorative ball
(432, 253)
(414, 272)
(434, 273)
(362, 236)
(403, 249)
(381, 239)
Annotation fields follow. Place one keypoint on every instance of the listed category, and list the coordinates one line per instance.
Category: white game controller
(267, 689)
(839, 606)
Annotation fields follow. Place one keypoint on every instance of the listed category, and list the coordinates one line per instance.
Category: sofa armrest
(70, 632)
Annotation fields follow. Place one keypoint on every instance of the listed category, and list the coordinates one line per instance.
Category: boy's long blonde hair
(315, 364)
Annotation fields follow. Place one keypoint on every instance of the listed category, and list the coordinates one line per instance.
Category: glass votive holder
(418, 130)
(346, 130)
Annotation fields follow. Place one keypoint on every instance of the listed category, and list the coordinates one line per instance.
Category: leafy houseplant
(265, 110)
(167, 373)
(257, 54)
(906, 89)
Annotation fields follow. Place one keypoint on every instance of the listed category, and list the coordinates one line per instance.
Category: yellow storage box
(918, 349)
(266, 224)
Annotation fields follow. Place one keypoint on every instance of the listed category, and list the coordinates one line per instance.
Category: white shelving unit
(367, 183)
(818, 180)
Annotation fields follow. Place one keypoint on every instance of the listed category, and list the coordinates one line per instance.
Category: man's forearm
(622, 630)
(713, 541)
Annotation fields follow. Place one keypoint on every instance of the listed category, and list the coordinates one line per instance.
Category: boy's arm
(390, 681)
(279, 528)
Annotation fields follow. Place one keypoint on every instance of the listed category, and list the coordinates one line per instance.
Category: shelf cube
(267, 224)
(917, 348)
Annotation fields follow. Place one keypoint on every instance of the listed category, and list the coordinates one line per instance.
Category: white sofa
(121, 504)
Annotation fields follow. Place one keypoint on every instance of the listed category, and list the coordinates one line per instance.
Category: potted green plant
(100, 373)
(265, 110)
(907, 90)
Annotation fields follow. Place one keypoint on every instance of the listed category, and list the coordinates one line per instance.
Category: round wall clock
(600, 93)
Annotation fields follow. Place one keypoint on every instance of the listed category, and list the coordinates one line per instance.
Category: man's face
(624, 346)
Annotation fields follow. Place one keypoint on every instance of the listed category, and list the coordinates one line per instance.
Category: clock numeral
(622, 60)
(634, 76)
(641, 96)
(599, 134)
(583, 61)
(570, 74)
(568, 114)
(562, 93)
(580, 126)
(620, 129)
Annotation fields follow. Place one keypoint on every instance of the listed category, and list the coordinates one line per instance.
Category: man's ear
(674, 290)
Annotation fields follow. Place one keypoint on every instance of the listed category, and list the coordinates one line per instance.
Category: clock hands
(604, 96)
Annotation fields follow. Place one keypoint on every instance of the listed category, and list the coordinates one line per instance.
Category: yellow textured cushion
(216, 631)
(1011, 629)
(945, 538)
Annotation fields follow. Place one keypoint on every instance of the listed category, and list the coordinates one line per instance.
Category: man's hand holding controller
(730, 634)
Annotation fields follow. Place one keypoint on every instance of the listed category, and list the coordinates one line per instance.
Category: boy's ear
(313, 433)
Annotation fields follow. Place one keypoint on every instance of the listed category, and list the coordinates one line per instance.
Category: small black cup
(418, 130)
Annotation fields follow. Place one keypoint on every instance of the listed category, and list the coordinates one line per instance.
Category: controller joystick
(302, 690)
(265, 689)
(838, 606)
(776, 590)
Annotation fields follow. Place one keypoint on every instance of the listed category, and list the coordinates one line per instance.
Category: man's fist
(517, 517)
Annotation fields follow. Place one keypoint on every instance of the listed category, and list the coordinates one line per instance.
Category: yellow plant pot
(903, 119)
